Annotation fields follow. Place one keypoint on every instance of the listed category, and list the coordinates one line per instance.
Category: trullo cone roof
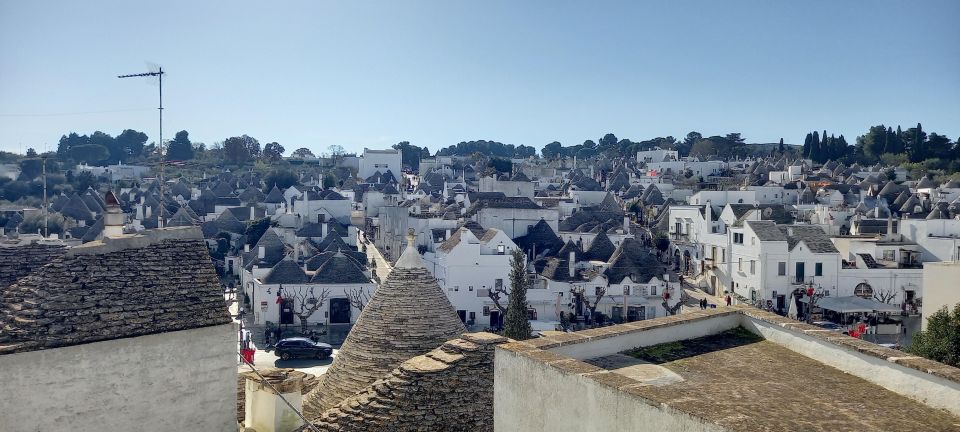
(408, 315)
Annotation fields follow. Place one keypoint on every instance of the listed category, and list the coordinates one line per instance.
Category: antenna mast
(159, 74)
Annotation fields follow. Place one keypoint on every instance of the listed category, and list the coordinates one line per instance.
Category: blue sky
(312, 74)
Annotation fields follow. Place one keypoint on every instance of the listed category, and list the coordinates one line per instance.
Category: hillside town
(407, 277)
(433, 216)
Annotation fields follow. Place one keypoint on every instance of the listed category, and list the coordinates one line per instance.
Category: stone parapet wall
(448, 389)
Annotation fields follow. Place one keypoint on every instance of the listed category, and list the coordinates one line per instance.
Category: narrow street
(383, 267)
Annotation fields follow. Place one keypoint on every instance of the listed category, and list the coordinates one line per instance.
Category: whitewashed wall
(185, 380)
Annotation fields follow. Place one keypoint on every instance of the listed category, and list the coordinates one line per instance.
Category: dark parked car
(300, 347)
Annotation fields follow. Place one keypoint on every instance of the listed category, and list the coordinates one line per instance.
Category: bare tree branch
(885, 295)
(495, 294)
(358, 297)
(579, 296)
(306, 302)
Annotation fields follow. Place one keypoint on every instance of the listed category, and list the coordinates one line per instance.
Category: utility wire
(264, 381)
(75, 113)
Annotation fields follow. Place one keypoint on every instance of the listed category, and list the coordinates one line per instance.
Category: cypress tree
(886, 141)
(918, 144)
(815, 149)
(806, 145)
(516, 325)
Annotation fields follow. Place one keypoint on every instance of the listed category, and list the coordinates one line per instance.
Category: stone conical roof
(408, 315)
(601, 248)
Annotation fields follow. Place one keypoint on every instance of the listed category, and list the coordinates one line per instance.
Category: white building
(657, 155)
(373, 161)
(467, 266)
(940, 283)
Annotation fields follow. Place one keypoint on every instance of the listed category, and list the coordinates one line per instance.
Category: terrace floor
(742, 382)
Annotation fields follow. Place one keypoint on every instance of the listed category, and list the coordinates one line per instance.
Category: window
(818, 269)
(738, 238)
(456, 287)
(598, 291)
(486, 311)
(888, 255)
(531, 314)
(753, 267)
(739, 264)
(653, 290)
(473, 316)
(626, 290)
(501, 249)
(498, 283)
(781, 268)
(471, 288)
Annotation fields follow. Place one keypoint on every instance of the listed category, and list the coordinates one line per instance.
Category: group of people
(247, 350)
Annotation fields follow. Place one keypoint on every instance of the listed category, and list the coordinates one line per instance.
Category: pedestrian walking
(728, 299)
(266, 335)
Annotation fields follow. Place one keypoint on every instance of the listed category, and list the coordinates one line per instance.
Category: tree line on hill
(912, 149)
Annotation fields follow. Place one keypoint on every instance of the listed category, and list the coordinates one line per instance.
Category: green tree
(86, 180)
(68, 142)
(411, 155)
(329, 181)
(33, 223)
(237, 150)
(515, 324)
(608, 141)
(501, 165)
(131, 143)
(90, 153)
(692, 138)
(875, 142)
(552, 150)
(256, 229)
(661, 242)
(180, 148)
(272, 152)
(302, 153)
(941, 340)
(281, 178)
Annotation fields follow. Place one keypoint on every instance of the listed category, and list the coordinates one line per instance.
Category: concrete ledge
(136, 241)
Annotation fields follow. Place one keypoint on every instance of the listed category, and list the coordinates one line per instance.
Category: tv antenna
(159, 74)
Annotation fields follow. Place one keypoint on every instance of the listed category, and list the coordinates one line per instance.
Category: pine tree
(516, 325)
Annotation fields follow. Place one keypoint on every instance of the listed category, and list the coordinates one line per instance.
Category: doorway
(339, 311)
(495, 321)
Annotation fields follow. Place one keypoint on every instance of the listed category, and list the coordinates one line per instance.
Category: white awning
(852, 304)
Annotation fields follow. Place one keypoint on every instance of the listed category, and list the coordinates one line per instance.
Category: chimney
(889, 235)
(253, 213)
(113, 218)
(246, 247)
(323, 230)
(447, 237)
(626, 224)
(296, 252)
(274, 407)
(572, 263)
(262, 252)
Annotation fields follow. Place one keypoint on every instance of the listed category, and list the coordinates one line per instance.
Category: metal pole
(46, 212)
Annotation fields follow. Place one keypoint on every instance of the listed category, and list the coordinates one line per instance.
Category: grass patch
(672, 351)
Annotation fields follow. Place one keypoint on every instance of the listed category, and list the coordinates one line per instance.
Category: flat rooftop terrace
(726, 369)
(743, 382)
